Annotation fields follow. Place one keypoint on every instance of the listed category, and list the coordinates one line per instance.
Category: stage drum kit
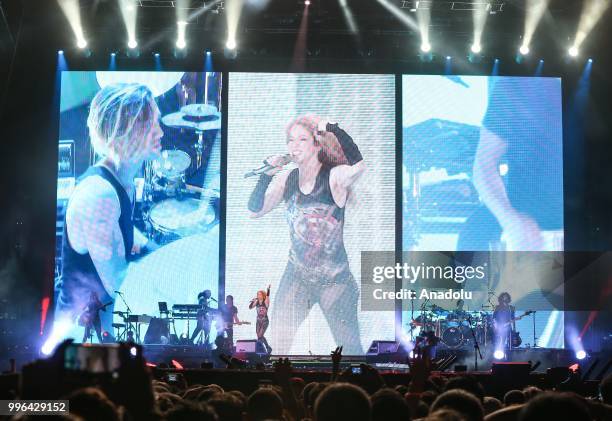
(175, 209)
(453, 327)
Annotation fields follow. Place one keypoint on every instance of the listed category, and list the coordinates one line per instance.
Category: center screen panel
(310, 185)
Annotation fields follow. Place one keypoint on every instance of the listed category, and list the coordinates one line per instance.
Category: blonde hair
(119, 119)
(331, 152)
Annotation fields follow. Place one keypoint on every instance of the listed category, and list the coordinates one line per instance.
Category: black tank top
(79, 275)
(316, 225)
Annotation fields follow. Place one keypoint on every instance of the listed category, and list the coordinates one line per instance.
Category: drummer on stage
(99, 236)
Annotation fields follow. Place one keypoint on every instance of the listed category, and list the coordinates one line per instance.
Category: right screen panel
(483, 172)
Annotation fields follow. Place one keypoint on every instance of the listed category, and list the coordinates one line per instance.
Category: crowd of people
(139, 391)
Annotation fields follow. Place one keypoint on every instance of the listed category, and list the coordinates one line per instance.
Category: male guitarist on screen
(90, 317)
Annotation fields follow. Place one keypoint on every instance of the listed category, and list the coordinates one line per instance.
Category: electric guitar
(228, 325)
(88, 315)
(499, 326)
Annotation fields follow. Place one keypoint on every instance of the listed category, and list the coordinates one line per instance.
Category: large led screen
(137, 204)
(301, 231)
(482, 171)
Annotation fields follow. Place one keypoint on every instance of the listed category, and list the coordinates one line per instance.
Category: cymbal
(199, 117)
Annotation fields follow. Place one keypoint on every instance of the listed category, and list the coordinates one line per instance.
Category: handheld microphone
(267, 167)
(214, 300)
(118, 292)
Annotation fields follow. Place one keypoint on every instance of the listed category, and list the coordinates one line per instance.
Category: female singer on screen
(99, 235)
(262, 304)
(315, 193)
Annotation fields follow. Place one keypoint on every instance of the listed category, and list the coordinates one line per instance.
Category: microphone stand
(129, 310)
(309, 349)
(412, 317)
(535, 344)
(477, 352)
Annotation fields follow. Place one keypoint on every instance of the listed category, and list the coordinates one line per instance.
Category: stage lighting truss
(491, 6)
(192, 5)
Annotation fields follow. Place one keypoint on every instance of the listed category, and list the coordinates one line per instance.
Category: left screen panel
(137, 203)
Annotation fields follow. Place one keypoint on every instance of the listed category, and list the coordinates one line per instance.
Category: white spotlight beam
(73, 14)
(181, 26)
(535, 11)
(181, 10)
(479, 16)
(233, 9)
(423, 19)
(128, 12)
(348, 17)
(397, 12)
(592, 11)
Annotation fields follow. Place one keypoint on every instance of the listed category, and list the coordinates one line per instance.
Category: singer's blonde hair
(330, 153)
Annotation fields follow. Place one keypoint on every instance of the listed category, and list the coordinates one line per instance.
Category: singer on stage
(316, 193)
(99, 235)
(262, 304)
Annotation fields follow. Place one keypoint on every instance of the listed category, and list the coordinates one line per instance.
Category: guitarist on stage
(90, 317)
(503, 322)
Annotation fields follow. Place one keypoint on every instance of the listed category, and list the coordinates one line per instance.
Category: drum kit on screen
(172, 207)
(453, 326)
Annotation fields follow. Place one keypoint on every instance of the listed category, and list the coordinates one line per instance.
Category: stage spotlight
(499, 354)
(72, 12)
(581, 354)
(590, 60)
(231, 44)
(479, 17)
(534, 11)
(156, 54)
(129, 14)
(448, 57)
(113, 54)
(307, 2)
(180, 39)
(426, 47)
(524, 50)
(592, 12)
(573, 51)
(60, 52)
(207, 53)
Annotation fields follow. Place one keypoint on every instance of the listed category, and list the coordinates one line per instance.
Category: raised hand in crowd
(336, 357)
